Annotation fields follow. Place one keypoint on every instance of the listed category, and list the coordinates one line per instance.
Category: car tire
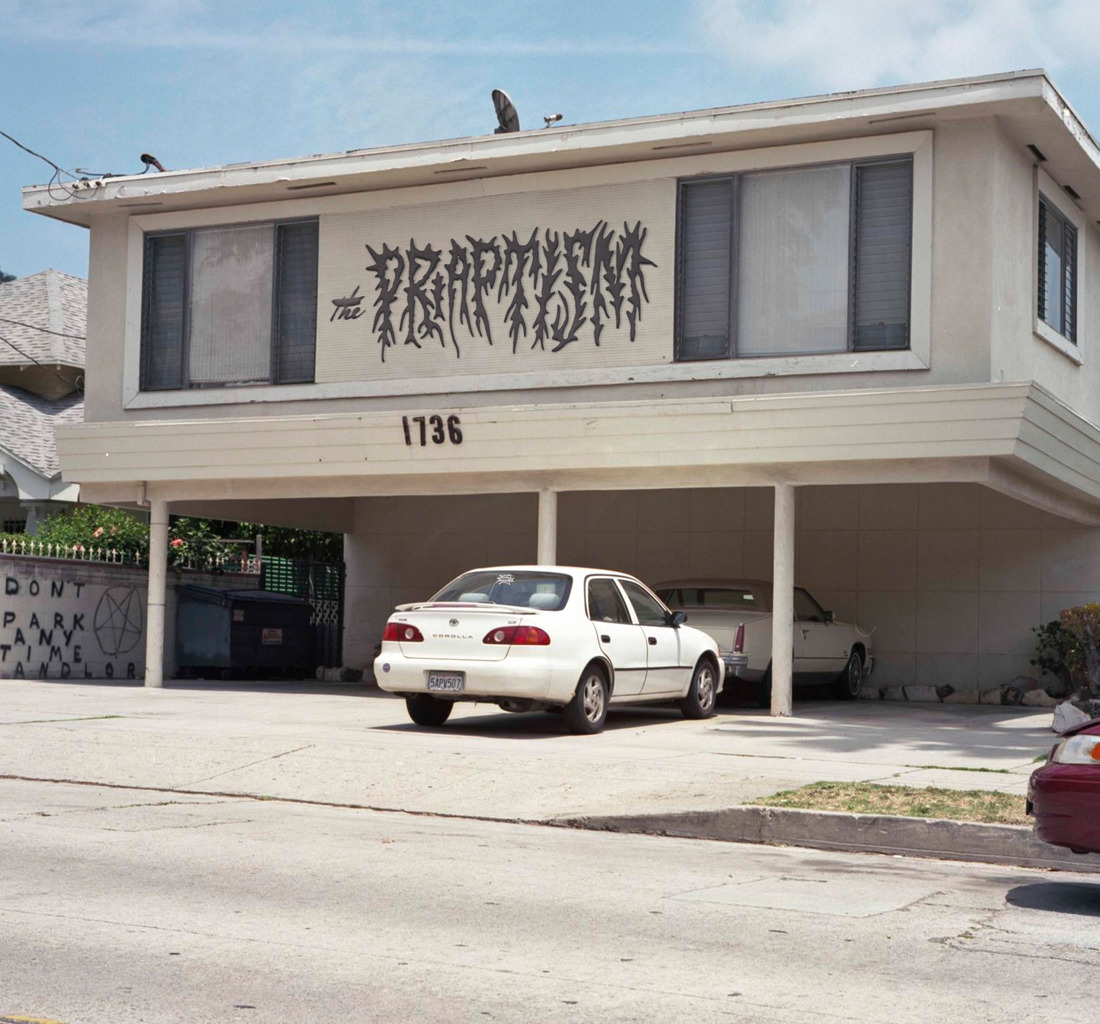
(762, 690)
(702, 694)
(850, 681)
(424, 709)
(587, 711)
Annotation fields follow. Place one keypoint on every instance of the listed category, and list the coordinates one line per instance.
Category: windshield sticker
(506, 577)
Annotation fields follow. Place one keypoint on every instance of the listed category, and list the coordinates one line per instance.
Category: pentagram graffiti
(118, 620)
(563, 280)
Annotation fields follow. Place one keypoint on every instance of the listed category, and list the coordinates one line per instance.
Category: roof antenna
(151, 161)
(507, 118)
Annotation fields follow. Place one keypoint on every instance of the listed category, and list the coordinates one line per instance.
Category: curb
(1014, 845)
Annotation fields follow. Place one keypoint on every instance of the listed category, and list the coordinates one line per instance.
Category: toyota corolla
(546, 638)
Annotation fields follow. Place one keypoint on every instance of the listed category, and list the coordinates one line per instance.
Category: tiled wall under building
(952, 577)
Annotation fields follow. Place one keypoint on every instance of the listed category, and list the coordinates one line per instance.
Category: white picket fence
(30, 548)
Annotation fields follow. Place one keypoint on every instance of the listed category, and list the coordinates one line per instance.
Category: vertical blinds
(881, 255)
(296, 305)
(705, 248)
(1057, 271)
(163, 313)
(807, 260)
(230, 306)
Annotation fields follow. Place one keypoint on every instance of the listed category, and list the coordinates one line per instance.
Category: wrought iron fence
(28, 547)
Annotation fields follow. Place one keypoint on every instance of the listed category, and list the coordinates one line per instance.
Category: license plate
(447, 682)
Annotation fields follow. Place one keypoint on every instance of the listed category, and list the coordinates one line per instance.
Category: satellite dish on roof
(507, 117)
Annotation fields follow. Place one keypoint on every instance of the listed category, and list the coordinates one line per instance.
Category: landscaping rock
(1013, 695)
(991, 697)
(1025, 683)
(1066, 716)
(1039, 699)
(922, 694)
(870, 693)
(945, 691)
(894, 693)
(962, 697)
(351, 675)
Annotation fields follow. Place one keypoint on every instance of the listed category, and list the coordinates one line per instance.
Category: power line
(44, 330)
(58, 171)
(76, 384)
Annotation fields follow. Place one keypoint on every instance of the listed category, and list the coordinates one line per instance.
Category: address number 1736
(431, 428)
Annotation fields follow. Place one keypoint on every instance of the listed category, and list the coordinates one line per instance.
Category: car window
(542, 590)
(732, 598)
(605, 603)
(649, 610)
(806, 609)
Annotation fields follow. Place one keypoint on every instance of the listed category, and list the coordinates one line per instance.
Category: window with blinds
(1057, 271)
(795, 262)
(230, 305)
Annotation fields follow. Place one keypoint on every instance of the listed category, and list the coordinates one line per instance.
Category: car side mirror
(677, 619)
(830, 617)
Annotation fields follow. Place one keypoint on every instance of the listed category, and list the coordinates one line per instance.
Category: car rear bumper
(516, 677)
(1065, 801)
(735, 665)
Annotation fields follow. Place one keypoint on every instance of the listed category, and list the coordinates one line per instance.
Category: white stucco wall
(952, 577)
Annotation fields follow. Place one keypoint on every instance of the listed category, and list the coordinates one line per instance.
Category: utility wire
(44, 330)
(58, 171)
(78, 384)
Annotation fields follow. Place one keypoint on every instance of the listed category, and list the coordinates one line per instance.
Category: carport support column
(548, 528)
(783, 601)
(158, 576)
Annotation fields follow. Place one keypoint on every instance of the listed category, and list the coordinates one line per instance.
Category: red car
(1064, 795)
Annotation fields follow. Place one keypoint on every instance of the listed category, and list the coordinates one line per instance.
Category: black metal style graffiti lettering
(567, 278)
(517, 254)
(484, 279)
(416, 293)
(389, 281)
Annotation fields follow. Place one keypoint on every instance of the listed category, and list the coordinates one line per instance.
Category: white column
(158, 575)
(783, 601)
(548, 528)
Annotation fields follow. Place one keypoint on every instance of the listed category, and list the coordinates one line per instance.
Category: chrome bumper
(735, 664)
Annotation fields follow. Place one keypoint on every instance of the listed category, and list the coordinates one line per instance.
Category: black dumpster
(242, 633)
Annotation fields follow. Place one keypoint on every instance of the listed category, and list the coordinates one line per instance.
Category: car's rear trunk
(720, 624)
(456, 632)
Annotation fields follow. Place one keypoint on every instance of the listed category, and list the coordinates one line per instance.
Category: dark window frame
(735, 242)
(188, 234)
(1069, 255)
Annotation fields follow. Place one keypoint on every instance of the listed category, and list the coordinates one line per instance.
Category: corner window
(229, 305)
(795, 262)
(1057, 271)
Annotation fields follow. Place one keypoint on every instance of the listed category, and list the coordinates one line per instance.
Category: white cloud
(847, 44)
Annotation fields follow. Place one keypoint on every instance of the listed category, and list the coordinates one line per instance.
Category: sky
(207, 82)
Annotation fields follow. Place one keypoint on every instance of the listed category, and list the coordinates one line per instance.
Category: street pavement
(356, 746)
(120, 906)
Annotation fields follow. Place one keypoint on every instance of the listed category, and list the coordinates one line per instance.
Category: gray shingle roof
(27, 426)
(49, 299)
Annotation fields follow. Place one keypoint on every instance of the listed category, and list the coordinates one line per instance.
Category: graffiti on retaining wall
(48, 632)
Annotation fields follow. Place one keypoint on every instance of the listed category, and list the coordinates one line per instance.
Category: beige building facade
(625, 344)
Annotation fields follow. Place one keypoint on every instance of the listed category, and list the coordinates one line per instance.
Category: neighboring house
(855, 338)
(42, 325)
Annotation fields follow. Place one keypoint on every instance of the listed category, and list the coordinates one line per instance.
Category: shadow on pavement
(1058, 898)
(537, 724)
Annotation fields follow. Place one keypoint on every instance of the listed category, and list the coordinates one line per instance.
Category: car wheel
(424, 709)
(850, 681)
(762, 690)
(586, 712)
(703, 692)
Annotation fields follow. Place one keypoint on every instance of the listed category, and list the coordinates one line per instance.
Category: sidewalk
(356, 746)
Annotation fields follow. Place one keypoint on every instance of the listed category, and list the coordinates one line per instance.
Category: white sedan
(534, 637)
(738, 614)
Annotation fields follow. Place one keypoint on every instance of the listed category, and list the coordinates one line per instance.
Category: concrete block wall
(952, 577)
(62, 619)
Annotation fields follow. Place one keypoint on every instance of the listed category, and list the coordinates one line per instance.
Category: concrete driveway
(356, 746)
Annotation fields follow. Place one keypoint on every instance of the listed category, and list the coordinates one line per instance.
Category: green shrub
(1058, 653)
(93, 526)
(1082, 623)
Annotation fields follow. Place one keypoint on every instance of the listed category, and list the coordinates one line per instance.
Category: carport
(951, 520)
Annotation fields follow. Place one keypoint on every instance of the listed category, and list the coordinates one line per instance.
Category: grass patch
(908, 801)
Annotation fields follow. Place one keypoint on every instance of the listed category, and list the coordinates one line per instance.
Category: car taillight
(530, 636)
(739, 640)
(403, 633)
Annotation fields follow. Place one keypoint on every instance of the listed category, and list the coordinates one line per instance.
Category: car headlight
(1077, 750)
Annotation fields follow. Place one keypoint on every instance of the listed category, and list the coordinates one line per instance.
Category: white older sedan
(738, 614)
(532, 637)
